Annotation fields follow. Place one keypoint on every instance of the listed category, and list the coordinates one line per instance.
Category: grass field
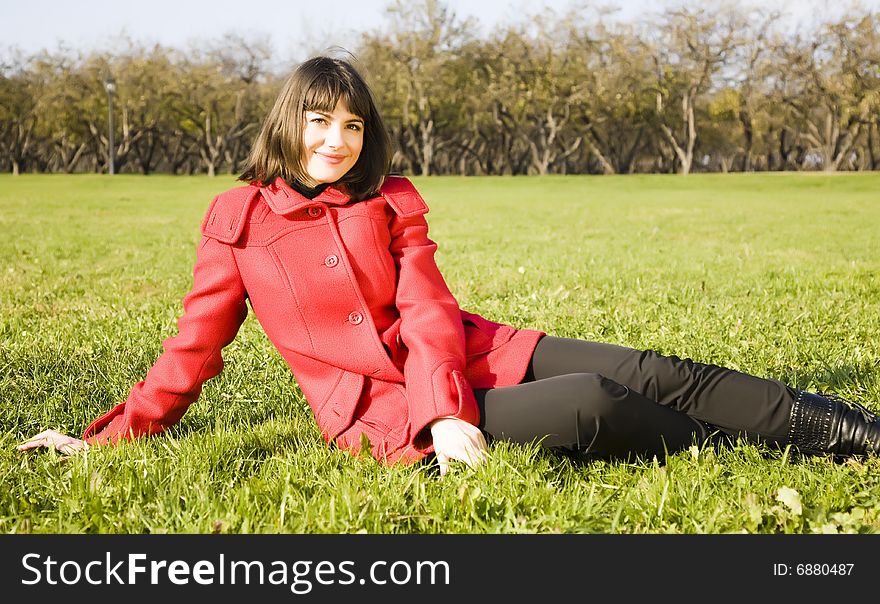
(775, 275)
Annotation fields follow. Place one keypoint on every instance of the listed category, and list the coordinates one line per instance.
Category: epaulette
(226, 216)
(402, 196)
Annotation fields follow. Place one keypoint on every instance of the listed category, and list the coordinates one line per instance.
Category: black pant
(613, 401)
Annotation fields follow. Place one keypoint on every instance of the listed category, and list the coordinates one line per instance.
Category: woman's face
(333, 143)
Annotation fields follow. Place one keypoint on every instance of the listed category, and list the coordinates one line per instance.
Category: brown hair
(318, 84)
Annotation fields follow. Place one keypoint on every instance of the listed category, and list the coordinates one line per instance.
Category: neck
(307, 191)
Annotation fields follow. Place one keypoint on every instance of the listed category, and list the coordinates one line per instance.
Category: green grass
(775, 275)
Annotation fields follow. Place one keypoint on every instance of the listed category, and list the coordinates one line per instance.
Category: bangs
(327, 89)
(319, 84)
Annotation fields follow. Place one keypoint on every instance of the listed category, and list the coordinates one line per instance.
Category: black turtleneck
(308, 192)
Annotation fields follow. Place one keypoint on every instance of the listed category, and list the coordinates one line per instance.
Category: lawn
(771, 274)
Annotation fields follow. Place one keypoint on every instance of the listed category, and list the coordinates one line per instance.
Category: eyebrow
(325, 114)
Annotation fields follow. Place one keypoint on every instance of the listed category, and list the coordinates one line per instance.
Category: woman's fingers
(471, 454)
(67, 448)
(474, 447)
(458, 440)
(35, 441)
(40, 440)
(482, 449)
(51, 439)
(443, 463)
(475, 457)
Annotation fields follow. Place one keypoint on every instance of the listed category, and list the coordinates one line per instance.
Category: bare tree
(217, 102)
(423, 37)
(17, 120)
(829, 86)
(712, 88)
(688, 49)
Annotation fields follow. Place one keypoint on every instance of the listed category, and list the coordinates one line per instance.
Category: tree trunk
(872, 156)
(745, 119)
(607, 167)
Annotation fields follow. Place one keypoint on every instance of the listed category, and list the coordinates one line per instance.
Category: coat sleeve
(432, 331)
(214, 309)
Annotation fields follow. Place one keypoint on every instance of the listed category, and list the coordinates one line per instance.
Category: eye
(355, 127)
(318, 120)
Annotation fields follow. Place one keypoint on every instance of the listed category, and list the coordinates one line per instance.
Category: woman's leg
(589, 413)
(737, 403)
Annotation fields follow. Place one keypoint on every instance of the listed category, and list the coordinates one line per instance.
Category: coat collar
(282, 199)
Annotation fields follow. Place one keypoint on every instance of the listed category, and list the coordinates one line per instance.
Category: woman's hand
(455, 439)
(66, 445)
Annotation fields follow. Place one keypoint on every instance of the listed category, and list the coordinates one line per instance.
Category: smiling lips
(331, 158)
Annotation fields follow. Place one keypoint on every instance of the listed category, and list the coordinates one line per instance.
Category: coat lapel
(282, 199)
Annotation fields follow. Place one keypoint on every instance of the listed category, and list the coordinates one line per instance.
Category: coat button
(355, 318)
(331, 260)
(315, 211)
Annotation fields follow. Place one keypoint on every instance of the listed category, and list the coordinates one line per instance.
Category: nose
(333, 138)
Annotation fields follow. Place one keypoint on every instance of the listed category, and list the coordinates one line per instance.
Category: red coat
(350, 295)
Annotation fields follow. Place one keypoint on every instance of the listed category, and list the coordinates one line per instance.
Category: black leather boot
(823, 423)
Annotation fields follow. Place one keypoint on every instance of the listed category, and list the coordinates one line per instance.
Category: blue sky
(293, 26)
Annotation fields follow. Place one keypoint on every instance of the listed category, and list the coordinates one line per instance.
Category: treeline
(693, 89)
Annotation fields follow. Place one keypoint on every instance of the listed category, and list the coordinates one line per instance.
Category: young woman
(334, 257)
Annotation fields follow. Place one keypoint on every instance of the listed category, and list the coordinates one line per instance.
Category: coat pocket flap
(482, 335)
(337, 411)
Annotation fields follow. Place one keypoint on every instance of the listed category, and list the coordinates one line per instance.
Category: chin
(326, 178)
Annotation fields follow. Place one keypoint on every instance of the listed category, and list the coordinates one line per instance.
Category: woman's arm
(442, 407)
(214, 309)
